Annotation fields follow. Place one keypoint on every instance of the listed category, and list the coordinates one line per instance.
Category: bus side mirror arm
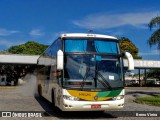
(130, 61)
(60, 58)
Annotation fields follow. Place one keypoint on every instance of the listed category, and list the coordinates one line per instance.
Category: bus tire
(39, 90)
(53, 99)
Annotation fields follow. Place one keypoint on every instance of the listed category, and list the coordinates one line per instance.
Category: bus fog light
(65, 105)
(67, 97)
(121, 105)
(70, 106)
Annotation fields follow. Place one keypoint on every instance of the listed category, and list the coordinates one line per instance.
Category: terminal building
(23, 61)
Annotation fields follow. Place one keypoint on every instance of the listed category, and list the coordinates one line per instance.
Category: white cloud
(5, 32)
(106, 21)
(37, 32)
(153, 52)
(117, 33)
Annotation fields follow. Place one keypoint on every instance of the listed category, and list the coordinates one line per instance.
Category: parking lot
(23, 98)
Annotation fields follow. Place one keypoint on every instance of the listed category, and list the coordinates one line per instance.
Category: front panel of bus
(92, 75)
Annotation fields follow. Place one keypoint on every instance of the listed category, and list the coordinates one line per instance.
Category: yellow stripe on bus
(86, 95)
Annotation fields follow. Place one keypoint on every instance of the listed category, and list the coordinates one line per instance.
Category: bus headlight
(120, 97)
(67, 97)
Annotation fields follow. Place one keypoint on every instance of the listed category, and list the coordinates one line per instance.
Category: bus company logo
(95, 97)
(84, 94)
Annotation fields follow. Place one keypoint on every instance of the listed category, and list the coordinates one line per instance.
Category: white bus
(83, 72)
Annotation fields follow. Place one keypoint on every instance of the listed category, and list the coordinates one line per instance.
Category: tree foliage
(155, 37)
(127, 45)
(154, 73)
(30, 47)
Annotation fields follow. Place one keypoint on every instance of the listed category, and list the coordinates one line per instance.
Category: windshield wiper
(85, 77)
(104, 82)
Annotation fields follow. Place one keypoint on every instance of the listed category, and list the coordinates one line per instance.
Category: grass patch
(154, 100)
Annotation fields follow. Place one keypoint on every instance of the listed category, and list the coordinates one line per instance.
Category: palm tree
(155, 37)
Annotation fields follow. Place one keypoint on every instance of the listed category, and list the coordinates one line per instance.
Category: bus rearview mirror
(130, 61)
(60, 58)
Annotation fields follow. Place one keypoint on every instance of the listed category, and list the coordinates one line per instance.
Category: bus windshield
(92, 71)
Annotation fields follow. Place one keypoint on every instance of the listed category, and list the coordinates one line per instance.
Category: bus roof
(85, 35)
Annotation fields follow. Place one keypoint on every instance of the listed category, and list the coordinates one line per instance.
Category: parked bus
(83, 72)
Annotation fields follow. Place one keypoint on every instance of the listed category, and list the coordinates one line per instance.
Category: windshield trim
(93, 53)
(90, 38)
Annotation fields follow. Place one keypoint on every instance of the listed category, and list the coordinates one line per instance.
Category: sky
(44, 20)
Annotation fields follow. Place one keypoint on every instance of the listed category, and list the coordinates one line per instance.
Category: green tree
(30, 47)
(154, 73)
(127, 45)
(155, 37)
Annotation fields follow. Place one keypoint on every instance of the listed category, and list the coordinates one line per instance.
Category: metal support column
(145, 77)
(139, 73)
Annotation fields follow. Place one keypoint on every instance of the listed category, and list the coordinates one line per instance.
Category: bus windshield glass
(92, 71)
(97, 45)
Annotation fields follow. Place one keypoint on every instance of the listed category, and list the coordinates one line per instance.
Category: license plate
(95, 106)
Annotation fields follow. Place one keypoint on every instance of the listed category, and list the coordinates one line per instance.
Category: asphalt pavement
(23, 99)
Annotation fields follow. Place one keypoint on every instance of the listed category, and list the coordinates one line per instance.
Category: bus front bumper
(91, 105)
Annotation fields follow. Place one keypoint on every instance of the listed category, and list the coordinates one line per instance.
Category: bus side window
(56, 74)
(55, 47)
(53, 74)
(48, 68)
